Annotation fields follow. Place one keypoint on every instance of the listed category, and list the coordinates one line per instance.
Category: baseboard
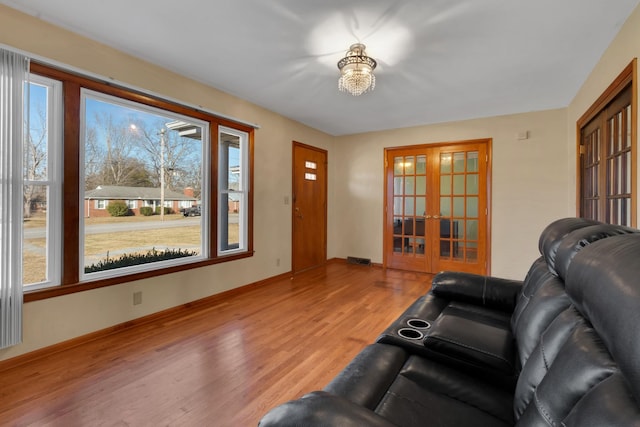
(344, 261)
(73, 342)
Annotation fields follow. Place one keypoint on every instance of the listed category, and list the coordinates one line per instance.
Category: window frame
(205, 250)
(72, 83)
(241, 192)
(53, 182)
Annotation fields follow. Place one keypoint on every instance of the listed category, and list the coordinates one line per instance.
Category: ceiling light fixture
(356, 70)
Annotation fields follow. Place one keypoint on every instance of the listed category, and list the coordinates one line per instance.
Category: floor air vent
(359, 261)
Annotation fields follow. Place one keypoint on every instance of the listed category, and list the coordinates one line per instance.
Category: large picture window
(131, 179)
(133, 151)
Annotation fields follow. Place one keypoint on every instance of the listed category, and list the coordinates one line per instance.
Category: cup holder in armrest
(418, 323)
(410, 333)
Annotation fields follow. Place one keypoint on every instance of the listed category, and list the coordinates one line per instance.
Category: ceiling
(438, 60)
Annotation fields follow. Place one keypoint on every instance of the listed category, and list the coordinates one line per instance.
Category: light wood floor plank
(224, 364)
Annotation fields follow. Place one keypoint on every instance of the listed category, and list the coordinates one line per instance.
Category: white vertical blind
(14, 70)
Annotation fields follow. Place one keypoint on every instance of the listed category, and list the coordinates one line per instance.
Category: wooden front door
(309, 207)
(436, 207)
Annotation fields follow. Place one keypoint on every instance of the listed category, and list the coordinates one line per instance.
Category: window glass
(135, 152)
(42, 184)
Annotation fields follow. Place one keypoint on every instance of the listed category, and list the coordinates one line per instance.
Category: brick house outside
(96, 201)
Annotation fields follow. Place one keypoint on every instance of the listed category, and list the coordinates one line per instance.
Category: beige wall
(56, 319)
(533, 181)
(529, 184)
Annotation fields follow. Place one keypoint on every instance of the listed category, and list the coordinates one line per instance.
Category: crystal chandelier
(356, 70)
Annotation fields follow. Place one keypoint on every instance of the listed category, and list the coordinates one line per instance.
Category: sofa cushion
(476, 335)
(429, 393)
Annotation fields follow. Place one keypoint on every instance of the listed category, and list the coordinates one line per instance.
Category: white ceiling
(438, 60)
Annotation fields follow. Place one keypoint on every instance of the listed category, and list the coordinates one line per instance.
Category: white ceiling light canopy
(356, 71)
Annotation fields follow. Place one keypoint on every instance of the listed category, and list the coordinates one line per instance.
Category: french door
(436, 207)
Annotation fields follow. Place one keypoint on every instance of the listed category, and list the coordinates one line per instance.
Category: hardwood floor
(224, 364)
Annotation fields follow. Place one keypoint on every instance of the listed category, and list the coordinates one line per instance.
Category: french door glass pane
(409, 206)
(472, 184)
(472, 207)
(398, 166)
(421, 185)
(458, 207)
(409, 165)
(398, 183)
(409, 185)
(445, 163)
(472, 229)
(421, 206)
(421, 165)
(458, 162)
(472, 161)
(397, 205)
(445, 206)
(458, 184)
(445, 185)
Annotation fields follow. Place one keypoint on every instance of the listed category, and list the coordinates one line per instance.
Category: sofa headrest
(553, 234)
(578, 239)
(603, 282)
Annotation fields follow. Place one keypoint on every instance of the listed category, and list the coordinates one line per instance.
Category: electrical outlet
(137, 298)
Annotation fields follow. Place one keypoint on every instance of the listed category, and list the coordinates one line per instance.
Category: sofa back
(543, 296)
(586, 363)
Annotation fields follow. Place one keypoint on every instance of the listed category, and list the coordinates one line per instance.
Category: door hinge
(582, 150)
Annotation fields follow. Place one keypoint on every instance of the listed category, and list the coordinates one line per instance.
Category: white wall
(529, 185)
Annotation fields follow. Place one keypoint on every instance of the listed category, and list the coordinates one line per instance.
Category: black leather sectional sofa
(561, 348)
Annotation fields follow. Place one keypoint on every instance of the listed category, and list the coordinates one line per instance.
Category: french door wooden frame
(591, 131)
(432, 236)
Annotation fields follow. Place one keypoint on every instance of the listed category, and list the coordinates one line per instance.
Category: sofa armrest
(320, 409)
(492, 292)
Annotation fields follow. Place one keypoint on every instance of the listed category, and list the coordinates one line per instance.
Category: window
(42, 184)
(125, 156)
(606, 153)
(233, 166)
